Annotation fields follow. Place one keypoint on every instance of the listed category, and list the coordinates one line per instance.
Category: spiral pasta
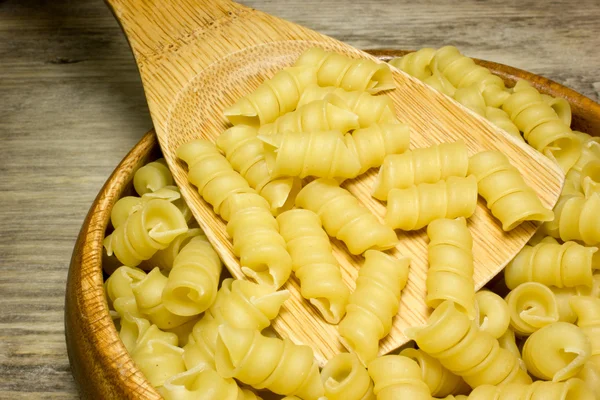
(570, 389)
(471, 98)
(590, 178)
(274, 97)
(416, 64)
(344, 378)
(426, 165)
(417, 206)
(211, 173)
(270, 363)
(172, 194)
(344, 218)
(258, 244)
(320, 154)
(119, 282)
(397, 377)
(507, 195)
(590, 151)
(371, 145)
(440, 83)
(145, 232)
(494, 314)
(369, 109)
(576, 219)
(246, 154)
(552, 264)
(123, 208)
(314, 264)
(508, 342)
(587, 309)
(532, 306)
(350, 74)
(450, 274)
(164, 258)
(455, 340)
(192, 284)
(440, 381)
(556, 352)
(373, 304)
(542, 128)
(152, 176)
(329, 114)
(501, 119)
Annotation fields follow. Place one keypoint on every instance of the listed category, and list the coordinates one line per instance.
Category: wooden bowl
(99, 361)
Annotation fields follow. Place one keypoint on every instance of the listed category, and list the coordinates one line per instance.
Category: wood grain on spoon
(197, 58)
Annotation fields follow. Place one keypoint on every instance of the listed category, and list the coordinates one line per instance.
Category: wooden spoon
(198, 57)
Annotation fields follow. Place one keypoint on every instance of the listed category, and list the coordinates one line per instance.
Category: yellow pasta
(532, 306)
(344, 218)
(145, 232)
(440, 381)
(552, 264)
(590, 178)
(455, 340)
(192, 284)
(587, 309)
(268, 363)
(542, 128)
(416, 64)
(123, 208)
(321, 154)
(440, 83)
(119, 282)
(417, 206)
(373, 304)
(590, 375)
(184, 331)
(371, 145)
(164, 258)
(426, 165)
(274, 97)
(471, 98)
(350, 74)
(450, 273)
(556, 352)
(561, 107)
(200, 348)
(328, 114)
(369, 109)
(590, 151)
(576, 219)
(494, 314)
(508, 342)
(572, 389)
(151, 177)
(397, 377)
(344, 378)
(172, 194)
(507, 195)
(314, 264)
(501, 119)
(258, 244)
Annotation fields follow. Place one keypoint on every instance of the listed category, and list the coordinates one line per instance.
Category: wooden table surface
(71, 106)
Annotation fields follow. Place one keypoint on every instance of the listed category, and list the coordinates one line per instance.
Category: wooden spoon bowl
(100, 363)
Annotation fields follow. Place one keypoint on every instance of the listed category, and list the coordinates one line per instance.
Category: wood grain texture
(71, 106)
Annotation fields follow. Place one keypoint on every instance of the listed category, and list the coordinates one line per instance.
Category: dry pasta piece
(440, 381)
(258, 244)
(571, 389)
(417, 206)
(450, 274)
(344, 218)
(426, 165)
(350, 74)
(501, 119)
(211, 173)
(494, 315)
(507, 195)
(172, 194)
(471, 98)
(370, 109)
(145, 232)
(590, 151)
(268, 363)
(576, 219)
(590, 178)
(556, 352)
(440, 83)
(542, 128)
(200, 348)
(314, 264)
(274, 97)
(590, 375)
(119, 282)
(203, 382)
(561, 107)
(192, 284)
(183, 331)
(455, 340)
(371, 145)
(320, 154)
(373, 304)
(344, 378)
(532, 306)
(328, 114)
(148, 296)
(123, 208)
(152, 176)
(587, 309)
(552, 264)
(164, 258)
(508, 342)
(398, 377)
(416, 64)
(246, 154)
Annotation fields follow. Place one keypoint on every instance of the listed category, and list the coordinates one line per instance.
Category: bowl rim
(100, 364)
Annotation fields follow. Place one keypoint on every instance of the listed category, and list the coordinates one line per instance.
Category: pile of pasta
(196, 333)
